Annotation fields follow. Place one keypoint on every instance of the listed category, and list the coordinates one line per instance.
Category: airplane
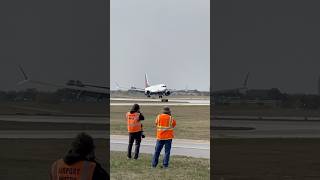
(82, 89)
(149, 90)
(241, 90)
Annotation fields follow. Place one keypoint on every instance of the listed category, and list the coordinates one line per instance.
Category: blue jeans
(167, 148)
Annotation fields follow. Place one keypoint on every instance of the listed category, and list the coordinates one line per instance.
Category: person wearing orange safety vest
(165, 133)
(79, 163)
(134, 126)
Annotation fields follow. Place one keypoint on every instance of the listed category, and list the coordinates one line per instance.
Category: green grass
(266, 158)
(180, 167)
(193, 122)
(58, 109)
(263, 111)
(12, 125)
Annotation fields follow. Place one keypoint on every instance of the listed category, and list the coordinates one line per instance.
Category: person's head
(135, 108)
(83, 145)
(166, 110)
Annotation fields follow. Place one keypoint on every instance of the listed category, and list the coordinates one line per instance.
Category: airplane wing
(76, 85)
(129, 89)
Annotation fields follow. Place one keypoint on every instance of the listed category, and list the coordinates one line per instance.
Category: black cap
(135, 107)
(166, 110)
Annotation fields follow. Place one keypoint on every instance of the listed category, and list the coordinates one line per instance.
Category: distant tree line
(268, 97)
(301, 101)
(58, 96)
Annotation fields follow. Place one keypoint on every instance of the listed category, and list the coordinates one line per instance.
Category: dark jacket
(98, 174)
(141, 117)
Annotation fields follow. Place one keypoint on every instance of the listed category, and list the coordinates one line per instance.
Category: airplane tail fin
(146, 82)
(245, 83)
(25, 77)
(117, 86)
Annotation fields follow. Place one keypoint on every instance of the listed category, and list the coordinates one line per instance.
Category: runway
(268, 129)
(157, 102)
(183, 147)
(52, 134)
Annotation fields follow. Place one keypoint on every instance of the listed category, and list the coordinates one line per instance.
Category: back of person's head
(166, 110)
(83, 144)
(135, 108)
(82, 148)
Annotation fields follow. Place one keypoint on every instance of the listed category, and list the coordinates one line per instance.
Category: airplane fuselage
(159, 89)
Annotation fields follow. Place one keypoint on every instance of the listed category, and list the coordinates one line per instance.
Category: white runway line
(291, 128)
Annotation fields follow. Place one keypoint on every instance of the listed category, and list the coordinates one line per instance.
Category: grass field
(266, 159)
(263, 111)
(11, 125)
(58, 108)
(32, 159)
(180, 168)
(193, 122)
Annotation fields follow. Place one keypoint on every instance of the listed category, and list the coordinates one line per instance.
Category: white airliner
(82, 89)
(157, 89)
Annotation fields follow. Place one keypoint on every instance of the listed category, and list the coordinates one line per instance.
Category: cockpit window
(164, 86)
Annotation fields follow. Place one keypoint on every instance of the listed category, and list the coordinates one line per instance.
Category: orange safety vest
(134, 125)
(81, 170)
(165, 125)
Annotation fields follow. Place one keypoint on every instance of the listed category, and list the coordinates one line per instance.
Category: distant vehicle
(76, 85)
(149, 90)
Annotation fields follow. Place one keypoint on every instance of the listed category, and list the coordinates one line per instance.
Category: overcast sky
(167, 39)
(277, 41)
(54, 41)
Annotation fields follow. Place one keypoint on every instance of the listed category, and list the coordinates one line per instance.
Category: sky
(54, 41)
(278, 42)
(167, 39)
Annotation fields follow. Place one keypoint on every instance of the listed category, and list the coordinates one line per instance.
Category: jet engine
(147, 93)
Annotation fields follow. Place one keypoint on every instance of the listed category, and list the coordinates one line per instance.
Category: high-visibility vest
(165, 125)
(81, 170)
(133, 122)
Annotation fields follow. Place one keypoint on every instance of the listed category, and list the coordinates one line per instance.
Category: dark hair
(83, 144)
(135, 108)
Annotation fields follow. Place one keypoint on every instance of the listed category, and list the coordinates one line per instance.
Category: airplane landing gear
(164, 100)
